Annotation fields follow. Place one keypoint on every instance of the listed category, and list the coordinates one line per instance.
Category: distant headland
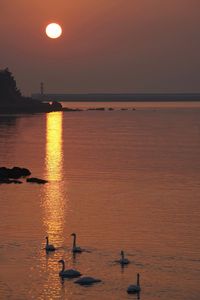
(12, 101)
(115, 97)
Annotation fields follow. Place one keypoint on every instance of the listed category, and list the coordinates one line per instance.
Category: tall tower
(42, 88)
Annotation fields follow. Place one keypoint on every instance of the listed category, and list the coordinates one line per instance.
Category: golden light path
(54, 194)
(54, 206)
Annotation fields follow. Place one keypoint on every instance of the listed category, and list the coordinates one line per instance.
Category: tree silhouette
(12, 101)
(8, 86)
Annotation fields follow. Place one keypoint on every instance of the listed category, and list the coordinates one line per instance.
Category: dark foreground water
(121, 180)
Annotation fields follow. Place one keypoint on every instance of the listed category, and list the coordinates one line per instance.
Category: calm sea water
(122, 180)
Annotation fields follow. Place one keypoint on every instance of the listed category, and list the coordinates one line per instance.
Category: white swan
(134, 288)
(48, 246)
(87, 280)
(70, 273)
(123, 260)
(75, 249)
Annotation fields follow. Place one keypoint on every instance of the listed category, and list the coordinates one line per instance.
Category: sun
(53, 30)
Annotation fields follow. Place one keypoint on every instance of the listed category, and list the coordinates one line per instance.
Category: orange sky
(107, 45)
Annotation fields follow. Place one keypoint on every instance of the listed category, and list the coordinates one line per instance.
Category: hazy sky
(106, 46)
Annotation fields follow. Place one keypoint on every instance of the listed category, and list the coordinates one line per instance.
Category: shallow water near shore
(122, 180)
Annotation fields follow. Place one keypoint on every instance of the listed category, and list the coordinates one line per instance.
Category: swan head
(73, 234)
(61, 261)
(122, 253)
(46, 238)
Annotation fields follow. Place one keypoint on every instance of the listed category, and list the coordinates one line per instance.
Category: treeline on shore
(12, 101)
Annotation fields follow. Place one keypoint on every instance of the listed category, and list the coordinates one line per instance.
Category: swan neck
(74, 242)
(63, 266)
(47, 241)
(138, 279)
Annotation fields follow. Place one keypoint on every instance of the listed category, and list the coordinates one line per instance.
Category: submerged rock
(97, 108)
(71, 109)
(36, 180)
(8, 181)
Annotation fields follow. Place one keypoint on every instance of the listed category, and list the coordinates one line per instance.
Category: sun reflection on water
(54, 203)
(54, 193)
(54, 144)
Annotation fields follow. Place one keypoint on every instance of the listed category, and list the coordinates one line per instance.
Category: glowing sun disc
(53, 30)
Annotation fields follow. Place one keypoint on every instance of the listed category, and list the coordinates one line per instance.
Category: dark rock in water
(36, 180)
(15, 172)
(96, 108)
(16, 181)
(4, 172)
(71, 109)
(8, 181)
(56, 106)
(100, 108)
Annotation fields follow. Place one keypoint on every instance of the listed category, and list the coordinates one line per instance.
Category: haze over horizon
(112, 46)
